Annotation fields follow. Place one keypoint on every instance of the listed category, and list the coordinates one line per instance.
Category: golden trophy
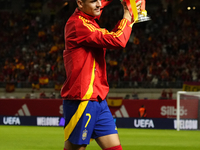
(137, 16)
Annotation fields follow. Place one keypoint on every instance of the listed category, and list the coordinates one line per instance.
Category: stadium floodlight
(181, 96)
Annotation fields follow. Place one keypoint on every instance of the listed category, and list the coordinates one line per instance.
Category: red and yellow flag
(104, 3)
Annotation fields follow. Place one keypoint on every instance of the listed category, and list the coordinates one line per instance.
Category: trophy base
(142, 18)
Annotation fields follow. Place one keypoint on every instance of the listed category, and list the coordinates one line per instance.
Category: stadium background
(162, 55)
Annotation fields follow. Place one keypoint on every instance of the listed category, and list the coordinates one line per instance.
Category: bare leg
(70, 146)
(108, 141)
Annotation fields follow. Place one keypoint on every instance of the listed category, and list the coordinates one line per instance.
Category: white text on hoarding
(11, 120)
(48, 121)
(143, 123)
(186, 124)
(171, 111)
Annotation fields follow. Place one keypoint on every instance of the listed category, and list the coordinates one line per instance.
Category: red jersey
(84, 55)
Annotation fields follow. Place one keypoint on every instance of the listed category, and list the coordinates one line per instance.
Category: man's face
(90, 7)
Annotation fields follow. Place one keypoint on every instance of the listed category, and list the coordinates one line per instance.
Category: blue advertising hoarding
(156, 123)
(147, 123)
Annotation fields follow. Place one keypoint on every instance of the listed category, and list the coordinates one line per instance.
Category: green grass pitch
(51, 138)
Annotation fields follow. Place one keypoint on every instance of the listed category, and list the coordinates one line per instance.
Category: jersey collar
(86, 16)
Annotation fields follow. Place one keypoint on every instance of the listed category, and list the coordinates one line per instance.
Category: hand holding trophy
(137, 10)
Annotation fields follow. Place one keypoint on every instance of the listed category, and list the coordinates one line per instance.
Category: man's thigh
(69, 146)
(108, 141)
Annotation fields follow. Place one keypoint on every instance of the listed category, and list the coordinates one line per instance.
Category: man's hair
(81, 0)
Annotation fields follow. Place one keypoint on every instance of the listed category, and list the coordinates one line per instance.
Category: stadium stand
(161, 53)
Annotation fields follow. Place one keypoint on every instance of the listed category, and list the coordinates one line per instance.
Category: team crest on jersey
(84, 135)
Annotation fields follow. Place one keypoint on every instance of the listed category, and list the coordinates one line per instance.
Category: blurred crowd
(167, 48)
(31, 48)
